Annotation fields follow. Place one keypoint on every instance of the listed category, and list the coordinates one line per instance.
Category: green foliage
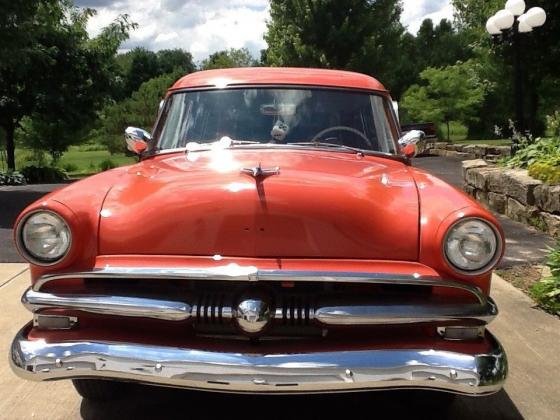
(331, 33)
(547, 291)
(107, 164)
(69, 167)
(11, 178)
(88, 162)
(553, 124)
(540, 62)
(547, 171)
(229, 59)
(473, 14)
(529, 153)
(358, 35)
(43, 174)
(52, 73)
(452, 93)
(140, 110)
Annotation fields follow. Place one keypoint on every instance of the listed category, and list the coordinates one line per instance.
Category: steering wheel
(342, 128)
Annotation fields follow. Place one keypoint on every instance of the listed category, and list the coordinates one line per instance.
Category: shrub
(547, 291)
(547, 171)
(11, 178)
(92, 147)
(538, 151)
(43, 174)
(553, 124)
(70, 167)
(107, 164)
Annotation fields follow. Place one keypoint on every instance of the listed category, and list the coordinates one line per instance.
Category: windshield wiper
(330, 145)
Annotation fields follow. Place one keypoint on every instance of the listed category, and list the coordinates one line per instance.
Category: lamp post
(506, 26)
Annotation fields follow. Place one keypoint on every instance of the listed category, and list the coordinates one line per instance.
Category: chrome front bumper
(339, 371)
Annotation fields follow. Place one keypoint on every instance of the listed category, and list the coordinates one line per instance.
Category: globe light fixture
(504, 19)
(524, 27)
(492, 28)
(516, 7)
(536, 17)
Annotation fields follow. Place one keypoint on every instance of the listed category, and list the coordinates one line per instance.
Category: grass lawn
(458, 134)
(498, 142)
(79, 162)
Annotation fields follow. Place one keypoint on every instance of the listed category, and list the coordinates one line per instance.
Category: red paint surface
(325, 211)
(276, 75)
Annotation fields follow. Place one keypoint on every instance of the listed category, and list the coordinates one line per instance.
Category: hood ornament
(259, 172)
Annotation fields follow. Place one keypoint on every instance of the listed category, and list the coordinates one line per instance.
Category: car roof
(278, 76)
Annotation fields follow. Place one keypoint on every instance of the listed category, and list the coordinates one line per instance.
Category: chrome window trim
(234, 272)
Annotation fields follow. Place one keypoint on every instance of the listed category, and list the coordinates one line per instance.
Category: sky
(206, 26)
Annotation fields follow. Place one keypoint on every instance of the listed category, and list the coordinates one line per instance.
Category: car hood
(321, 204)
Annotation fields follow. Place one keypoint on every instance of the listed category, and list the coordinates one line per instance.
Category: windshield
(277, 116)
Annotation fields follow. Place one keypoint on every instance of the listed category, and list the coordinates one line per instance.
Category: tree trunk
(448, 132)
(10, 147)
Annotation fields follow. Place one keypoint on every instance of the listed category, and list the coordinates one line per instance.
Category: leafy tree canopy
(360, 35)
(452, 93)
(140, 110)
(229, 59)
(52, 72)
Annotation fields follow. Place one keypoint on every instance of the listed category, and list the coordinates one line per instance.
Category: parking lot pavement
(531, 339)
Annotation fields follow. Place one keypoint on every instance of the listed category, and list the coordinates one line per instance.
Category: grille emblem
(252, 314)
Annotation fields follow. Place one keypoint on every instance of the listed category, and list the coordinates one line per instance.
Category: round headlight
(45, 237)
(472, 245)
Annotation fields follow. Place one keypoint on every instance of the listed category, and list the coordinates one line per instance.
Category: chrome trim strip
(404, 314)
(336, 371)
(108, 305)
(234, 272)
(362, 313)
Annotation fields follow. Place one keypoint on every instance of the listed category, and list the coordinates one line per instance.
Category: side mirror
(137, 139)
(412, 143)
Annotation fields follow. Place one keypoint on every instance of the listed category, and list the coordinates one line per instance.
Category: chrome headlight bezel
(487, 265)
(28, 254)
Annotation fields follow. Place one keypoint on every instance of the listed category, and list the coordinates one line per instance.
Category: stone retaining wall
(470, 151)
(514, 193)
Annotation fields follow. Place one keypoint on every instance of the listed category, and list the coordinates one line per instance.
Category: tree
(22, 58)
(541, 60)
(441, 45)
(170, 61)
(53, 73)
(361, 35)
(228, 59)
(473, 14)
(140, 110)
(433, 46)
(452, 93)
(144, 66)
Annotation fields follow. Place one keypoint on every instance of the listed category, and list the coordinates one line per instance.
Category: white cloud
(415, 11)
(206, 26)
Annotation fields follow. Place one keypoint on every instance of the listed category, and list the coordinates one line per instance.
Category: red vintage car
(272, 238)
